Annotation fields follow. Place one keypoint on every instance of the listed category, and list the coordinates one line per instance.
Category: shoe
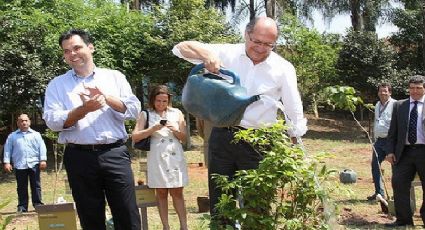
(398, 224)
(37, 204)
(22, 209)
(372, 197)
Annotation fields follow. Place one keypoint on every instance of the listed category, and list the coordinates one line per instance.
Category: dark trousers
(22, 177)
(225, 158)
(412, 161)
(93, 175)
(377, 159)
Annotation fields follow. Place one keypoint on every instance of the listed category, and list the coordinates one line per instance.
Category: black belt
(234, 128)
(417, 146)
(97, 147)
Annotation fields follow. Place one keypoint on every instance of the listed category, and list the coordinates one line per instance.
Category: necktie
(412, 124)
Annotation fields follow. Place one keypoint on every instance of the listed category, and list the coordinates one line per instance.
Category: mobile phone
(163, 122)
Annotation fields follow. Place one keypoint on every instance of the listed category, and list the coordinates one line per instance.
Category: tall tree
(182, 20)
(409, 38)
(314, 56)
(364, 13)
(30, 55)
(364, 61)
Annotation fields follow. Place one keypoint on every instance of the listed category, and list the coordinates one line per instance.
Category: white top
(102, 126)
(274, 79)
(383, 115)
(166, 161)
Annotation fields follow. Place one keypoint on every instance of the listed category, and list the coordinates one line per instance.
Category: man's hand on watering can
(391, 158)
(212, 63)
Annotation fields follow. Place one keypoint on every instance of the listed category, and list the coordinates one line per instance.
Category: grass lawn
(347, 144)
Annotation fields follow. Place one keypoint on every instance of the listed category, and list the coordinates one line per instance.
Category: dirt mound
(336, 128)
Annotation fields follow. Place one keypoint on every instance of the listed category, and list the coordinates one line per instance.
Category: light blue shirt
(383, 114)
(24, 149)
(102, 126)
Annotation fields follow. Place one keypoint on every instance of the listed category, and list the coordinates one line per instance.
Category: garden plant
(287, 191)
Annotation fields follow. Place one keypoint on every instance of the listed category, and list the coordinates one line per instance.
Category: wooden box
(145, 196)
(57, 216)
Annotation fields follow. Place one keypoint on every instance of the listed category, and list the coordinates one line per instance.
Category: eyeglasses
(260, 43)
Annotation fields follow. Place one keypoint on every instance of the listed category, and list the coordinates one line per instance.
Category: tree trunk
(135, 5)
(423, 36)
(314, 104)
(356, 21)
(270, 6)
(251, 9)
(13, 122)
(369, 16)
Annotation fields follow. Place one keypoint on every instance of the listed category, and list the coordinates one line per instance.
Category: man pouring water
(262, 72)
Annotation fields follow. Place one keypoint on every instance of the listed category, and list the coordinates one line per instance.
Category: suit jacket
(397, 134)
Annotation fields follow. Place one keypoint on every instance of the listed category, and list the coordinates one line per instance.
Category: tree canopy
(137, 43)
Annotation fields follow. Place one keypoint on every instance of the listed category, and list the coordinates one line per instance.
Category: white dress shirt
(102, 126)
(274, 79)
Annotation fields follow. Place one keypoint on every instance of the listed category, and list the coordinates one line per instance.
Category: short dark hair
(159, 89)
(22, 114)
(417, 79)
(82, 33)
(385, 85)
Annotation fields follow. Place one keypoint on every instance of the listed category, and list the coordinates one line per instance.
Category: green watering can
(214, 99)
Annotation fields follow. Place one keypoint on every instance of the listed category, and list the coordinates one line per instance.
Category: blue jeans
(376, 162)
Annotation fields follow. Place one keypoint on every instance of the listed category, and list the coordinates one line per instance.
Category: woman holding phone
(167, 170)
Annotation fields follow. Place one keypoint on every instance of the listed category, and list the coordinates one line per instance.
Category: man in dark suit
(406, 149)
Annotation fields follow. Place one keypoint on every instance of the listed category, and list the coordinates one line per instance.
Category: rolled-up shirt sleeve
(42, 148)
(213, 48)
(54, 113)
(127, 97)
(293, 105)
(8, 148)
(177, 53)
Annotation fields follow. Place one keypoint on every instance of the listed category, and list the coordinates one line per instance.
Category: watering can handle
(197, 68)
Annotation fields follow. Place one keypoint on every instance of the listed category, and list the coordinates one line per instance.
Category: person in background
(381, 125)
(88, 106)
(26, 150)
(167, 169)
(262, 72)
(406, 150)
(204, 129)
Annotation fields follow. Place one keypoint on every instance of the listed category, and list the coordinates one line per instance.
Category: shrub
(285, 191)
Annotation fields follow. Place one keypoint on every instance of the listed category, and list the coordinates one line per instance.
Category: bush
(285, 191)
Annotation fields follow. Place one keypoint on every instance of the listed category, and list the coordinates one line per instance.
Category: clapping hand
(93, 98)
(93, 91)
